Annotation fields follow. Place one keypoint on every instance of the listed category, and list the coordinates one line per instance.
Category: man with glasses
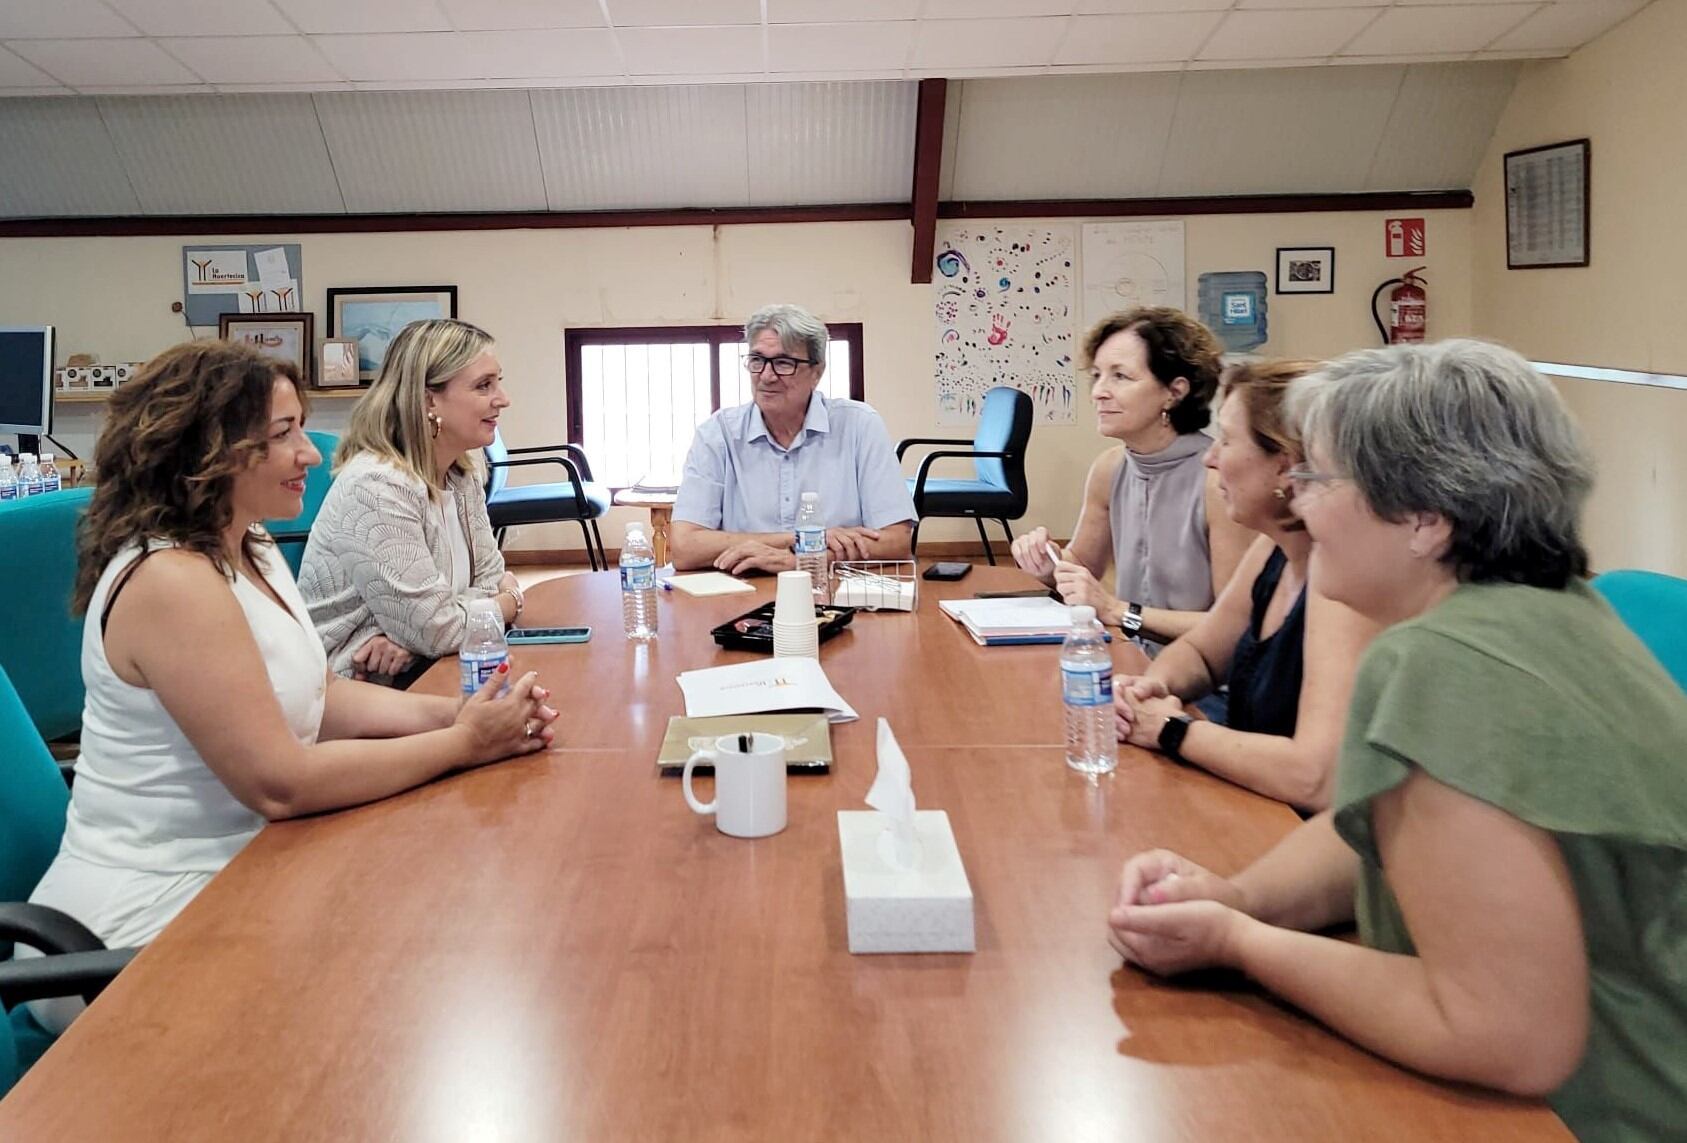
(749, 465)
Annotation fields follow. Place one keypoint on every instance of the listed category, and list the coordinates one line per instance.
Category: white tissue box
(924, 909)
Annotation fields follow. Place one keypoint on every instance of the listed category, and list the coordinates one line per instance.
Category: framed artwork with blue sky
(373, 315)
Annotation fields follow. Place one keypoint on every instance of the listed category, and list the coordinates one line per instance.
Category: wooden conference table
(557, 948)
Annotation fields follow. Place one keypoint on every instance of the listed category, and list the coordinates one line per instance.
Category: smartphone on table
(943, 570)
(524, 635)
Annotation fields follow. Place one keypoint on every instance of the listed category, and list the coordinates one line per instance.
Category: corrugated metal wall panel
(59, 160)
(813, 143)
(608, 148)
(421, 151)
(1091, 136)
(1441, 124)
(1293, 131)
(231, 154)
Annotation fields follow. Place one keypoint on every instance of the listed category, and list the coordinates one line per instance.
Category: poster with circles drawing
(1004, 317)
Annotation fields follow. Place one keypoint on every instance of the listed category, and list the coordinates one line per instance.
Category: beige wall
(112, 297)
(1627, 310)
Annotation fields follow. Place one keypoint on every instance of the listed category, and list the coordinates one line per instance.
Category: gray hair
(1466, 430)
(794, 326)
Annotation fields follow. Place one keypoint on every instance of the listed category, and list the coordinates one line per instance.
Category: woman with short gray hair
(1510, 823)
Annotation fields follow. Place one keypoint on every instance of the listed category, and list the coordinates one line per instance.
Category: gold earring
(433, 421)
(1279, 494)
(1166, 416)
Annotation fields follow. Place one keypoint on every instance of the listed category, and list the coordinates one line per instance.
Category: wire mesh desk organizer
(875, 585)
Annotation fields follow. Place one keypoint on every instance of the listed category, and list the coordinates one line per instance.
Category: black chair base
(914, 540)
(596, 554)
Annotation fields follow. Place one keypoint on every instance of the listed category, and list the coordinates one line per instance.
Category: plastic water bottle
(638, 586)
(49, 474)
(8, 479)
(484, 649)
(29, 476)
(811, 546)
(1086, 686)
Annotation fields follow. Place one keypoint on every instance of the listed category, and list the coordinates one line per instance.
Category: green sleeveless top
(1543, 704)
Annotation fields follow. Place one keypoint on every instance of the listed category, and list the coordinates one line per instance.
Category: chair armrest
(83, 974)
(67, 771)
(568, 465)
(902, 445)
(45, 928)
(926, 463)
(290, 535)
(574, 451)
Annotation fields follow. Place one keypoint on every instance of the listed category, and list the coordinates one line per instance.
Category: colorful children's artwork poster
(1004, 317)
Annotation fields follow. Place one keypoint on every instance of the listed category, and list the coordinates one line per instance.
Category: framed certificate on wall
(1547, 222)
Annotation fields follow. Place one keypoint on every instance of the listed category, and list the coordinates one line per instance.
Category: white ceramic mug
(749, 787)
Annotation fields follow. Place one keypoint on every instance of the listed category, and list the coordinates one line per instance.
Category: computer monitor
(26, 383)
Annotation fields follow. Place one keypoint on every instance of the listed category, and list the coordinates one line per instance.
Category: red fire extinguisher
(1408, 308)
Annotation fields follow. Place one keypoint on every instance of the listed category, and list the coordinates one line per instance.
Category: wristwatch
(1131, 621)
(1171, 736)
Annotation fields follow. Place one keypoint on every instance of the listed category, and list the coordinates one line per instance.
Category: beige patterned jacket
(378, 562)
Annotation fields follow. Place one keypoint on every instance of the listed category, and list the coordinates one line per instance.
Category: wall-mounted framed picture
(1547, 222)
(338, 367)
(1306, 270)
(288, 336)
(373, 315)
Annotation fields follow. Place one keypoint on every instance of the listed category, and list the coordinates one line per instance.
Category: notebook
(708, 583)
(1006, 622)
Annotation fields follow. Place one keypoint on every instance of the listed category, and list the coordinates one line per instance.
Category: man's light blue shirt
(738, 479)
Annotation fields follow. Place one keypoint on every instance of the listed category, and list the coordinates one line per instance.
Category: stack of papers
(708, 583)
(657, 482)
(1000, 622)
(763, 686)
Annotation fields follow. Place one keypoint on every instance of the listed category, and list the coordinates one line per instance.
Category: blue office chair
(1654, 606)
(31, 827)
(42, 644)
(290, 535)
(577, 498)
(998, 489)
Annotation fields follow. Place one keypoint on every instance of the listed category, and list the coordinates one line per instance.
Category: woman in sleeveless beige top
(1150, 507)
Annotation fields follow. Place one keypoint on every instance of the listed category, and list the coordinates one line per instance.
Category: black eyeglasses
(782, 366)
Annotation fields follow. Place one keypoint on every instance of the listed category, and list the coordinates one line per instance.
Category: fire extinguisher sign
(1403, 237)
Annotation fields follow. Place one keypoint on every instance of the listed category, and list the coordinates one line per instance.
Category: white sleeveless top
(143, 798)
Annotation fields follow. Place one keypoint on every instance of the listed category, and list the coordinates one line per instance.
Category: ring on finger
(527, 728)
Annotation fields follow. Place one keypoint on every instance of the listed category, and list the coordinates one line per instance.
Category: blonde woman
(402, 544)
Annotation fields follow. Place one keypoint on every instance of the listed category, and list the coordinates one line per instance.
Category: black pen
(743, 744)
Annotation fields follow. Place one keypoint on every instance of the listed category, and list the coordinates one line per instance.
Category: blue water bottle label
(8, 492)
(638, 576)
(811, 541)
(1086, 686)
(475, 671)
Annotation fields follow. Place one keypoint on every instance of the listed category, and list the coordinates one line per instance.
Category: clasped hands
(1173, 916)
(1141, 706)
(753, 555)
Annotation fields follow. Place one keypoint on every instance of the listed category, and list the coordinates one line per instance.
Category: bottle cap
(1082, 613)
(23, 456)
(634, 526)
(46, 458)
(807, 496)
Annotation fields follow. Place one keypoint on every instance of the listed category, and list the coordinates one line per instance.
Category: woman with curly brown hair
(1149, 509)
(210, 706)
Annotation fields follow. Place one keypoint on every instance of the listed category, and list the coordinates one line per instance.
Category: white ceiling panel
(245, 154)
(817, 143)
(15, 71)
(85, 63)
(1566, 25)
(1065, 137)
(313, 16)
(642, 148)
(504, 15)
(60, 19)
(1273, 35)
(958, 45)
(691, 51)
(252, 59)
(1308, 130)
(1110, 7)
(1410, 31)
(1442, 120)
(424, 56)
(433, 150)
(1255, 4)
(822, 11)
(676, 13)
(1150, 37)
(204, 17)
(879, 46)
(59, 161)
(993, 9)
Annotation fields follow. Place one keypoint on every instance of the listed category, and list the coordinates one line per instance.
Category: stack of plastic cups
(796, 633)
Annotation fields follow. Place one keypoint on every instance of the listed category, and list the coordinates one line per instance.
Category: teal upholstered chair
(998, 489)
(1655, 608)
(290, 535)
(42, 645)
(33, 799)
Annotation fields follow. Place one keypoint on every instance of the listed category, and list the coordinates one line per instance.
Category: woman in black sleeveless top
(1288, 653)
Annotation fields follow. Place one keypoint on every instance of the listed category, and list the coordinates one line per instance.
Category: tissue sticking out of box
(892, 795)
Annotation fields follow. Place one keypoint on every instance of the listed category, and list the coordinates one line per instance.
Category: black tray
(753, 630)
